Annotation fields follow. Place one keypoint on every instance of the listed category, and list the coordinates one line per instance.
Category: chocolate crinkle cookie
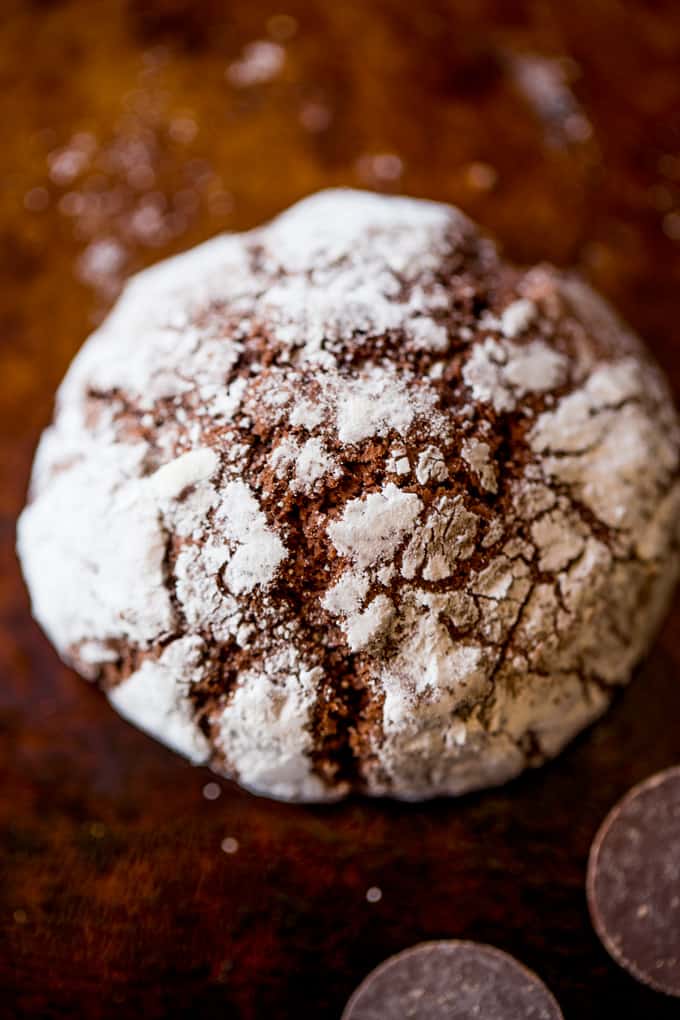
(347, 503)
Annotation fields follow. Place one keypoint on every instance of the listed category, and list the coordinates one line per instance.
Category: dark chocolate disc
(452, 981)
(634, 882)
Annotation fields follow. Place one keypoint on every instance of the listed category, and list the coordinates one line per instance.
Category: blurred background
(131, 883)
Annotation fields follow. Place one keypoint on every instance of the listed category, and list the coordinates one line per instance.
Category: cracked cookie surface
(347, 503)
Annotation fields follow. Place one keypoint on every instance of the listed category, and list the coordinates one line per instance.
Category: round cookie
(349, 503)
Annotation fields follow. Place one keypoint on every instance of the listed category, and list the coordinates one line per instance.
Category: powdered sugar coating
(155, 698)
(373, 527)
(347, 503)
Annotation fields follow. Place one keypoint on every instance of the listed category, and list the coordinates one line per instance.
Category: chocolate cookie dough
(348, 503)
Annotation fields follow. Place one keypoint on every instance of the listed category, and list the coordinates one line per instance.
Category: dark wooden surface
(116, 899)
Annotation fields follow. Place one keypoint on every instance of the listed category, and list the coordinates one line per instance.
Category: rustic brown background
(557, 125)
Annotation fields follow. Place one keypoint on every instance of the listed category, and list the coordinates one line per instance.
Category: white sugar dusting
(364, 628)
(345, 600)
(173, 478)
(154, 698)
(92, 553)
(264, 731)
(371, 407)
(500, 373)
(259, 550)
(313, 463)
(478, 457)
(304, 465)
(517, 317)
(307, 414)
(347, 593)
(371, 529)
(428, 336)
(447, 535)
(431, 466)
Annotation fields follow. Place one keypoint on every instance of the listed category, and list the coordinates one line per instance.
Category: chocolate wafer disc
(452, 981)
(634, 882)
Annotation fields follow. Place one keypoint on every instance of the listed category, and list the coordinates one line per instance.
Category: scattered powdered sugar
(499, 373)
(188, 516)
(447, 535)
(560, 538)
(478, 456)
(610, 476)
(534, 368)
(345, 599)
(363, 253)
(283, 457)
(264, 732)
(364, 628)
(325, 229)
(260, 62)
(308, 414)
(373, 406)
(372, 528)
(155, 698)
(259, 550)
(144, 346)
(397, 461)
(295, 472)
(600, 442)
(205, 605)
(347, 593)
(313, 462)
(517, 317)
(428, 336)
(306, 464)
(93, 552)
(224, 403)
(431, 466)
(430, 671)
(173, 478)
(385, 574)
(582, 419)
